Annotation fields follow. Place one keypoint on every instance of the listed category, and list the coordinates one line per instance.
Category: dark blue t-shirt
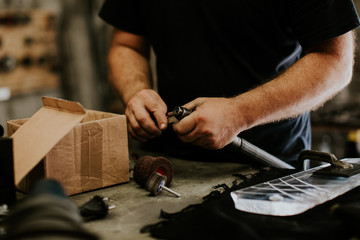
(211, 48)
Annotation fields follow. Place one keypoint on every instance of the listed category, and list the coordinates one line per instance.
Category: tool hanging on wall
(29, 50)
(154, 174)
(237, 145)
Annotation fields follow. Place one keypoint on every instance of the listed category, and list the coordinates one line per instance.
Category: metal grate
(293, 194)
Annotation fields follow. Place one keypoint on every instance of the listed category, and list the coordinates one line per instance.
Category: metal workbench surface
(136, 208)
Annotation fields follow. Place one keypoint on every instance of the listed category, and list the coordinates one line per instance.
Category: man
(248, 68)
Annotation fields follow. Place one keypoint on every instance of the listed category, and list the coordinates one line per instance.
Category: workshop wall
(58, 48)
(54, 48)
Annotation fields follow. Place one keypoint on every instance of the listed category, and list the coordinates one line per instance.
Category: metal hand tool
(238, 144)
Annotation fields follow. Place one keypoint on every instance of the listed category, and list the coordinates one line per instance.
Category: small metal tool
(337, 168)
(177, 114)
(156, 183)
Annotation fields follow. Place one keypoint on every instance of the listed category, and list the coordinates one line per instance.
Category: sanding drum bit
(154, 174)
(156, 183)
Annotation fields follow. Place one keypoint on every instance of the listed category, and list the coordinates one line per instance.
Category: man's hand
(146, 115)
(212, 125)
(130, 74)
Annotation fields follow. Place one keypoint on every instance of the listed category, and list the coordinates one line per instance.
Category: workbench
(136, 208)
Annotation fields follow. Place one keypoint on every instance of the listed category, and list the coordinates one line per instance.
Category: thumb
(161, 119)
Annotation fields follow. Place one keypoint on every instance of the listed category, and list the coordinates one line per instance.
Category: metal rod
(240, 144)
(170, 191)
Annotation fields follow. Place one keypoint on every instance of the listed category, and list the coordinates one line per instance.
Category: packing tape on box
(91, 156)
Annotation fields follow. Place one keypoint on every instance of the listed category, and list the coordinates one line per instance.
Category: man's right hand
(146, 115)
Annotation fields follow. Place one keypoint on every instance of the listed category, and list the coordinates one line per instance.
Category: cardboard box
(84, 150)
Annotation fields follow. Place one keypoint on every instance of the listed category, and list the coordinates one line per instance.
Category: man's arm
(128, 62)
(130, 75)
(314, 79)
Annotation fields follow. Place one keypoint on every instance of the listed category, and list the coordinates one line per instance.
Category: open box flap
(33, 140)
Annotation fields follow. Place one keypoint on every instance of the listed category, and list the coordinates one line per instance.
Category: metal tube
(239, 144)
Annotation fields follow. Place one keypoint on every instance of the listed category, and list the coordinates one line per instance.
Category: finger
(193, 104)
(135, 136)
(145, 121)
(192, 139)
(159, 113)
(154, 105)
(136, 130)
(186, 125)
(197, 141)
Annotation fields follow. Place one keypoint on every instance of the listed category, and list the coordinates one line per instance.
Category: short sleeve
(127, 15)
(313, 21)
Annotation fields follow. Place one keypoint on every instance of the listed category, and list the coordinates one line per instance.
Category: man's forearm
(310, 82)
(129, 71)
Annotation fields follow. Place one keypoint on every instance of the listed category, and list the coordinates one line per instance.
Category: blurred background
(58, 48)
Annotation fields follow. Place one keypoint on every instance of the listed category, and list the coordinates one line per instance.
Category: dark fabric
(217, 218)
(210, 48)
(46, 213)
